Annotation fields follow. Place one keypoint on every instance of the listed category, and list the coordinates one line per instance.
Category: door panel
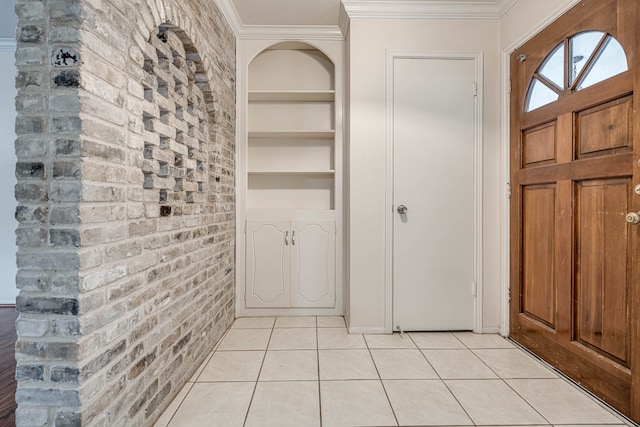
(313, 263)
(539, 145)
(601, 283)
(268, 264)
(433, 174)
(605, 129)
(574, 298)
(538, 248)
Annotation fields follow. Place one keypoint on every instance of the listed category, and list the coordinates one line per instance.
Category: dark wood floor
(8, 317)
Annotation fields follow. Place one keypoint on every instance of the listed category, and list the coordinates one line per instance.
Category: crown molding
(343, 20)
(7, 45)
(426, 9)
(291, 32)
(230, 13)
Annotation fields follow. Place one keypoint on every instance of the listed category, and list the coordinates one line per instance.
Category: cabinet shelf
(315, 134)
(291, 95)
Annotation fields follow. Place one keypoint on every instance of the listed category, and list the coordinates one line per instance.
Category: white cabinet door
(268, 264)
(313, 263)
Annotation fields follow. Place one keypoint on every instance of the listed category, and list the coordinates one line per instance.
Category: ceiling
(250, 13)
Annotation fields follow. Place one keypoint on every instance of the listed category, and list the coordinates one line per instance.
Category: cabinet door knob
(286, 238)
(293, 237)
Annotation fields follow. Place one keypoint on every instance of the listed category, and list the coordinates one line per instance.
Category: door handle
(293, 237)
(633, 218)
(286, 238)
(402, 209)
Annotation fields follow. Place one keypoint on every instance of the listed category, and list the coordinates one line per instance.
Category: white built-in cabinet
(290, 264)
(289, 197)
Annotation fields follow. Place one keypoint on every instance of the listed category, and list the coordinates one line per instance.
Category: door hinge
(509, 295)
(509, 86)
(474, 288)
(475, 89)
(508, 190)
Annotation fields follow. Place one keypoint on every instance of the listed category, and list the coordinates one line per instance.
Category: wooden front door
(575, 144)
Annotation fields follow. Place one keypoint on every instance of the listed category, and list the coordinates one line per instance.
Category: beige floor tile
(246, 339)
(232, 366)
(254, 323)
(490, 402)
(296, 322)
(458, 364)
(284, 404)
(402, 364)
(166, 416)
(395, 340)
(346, 365)
(290, 365)
(339, 338)
(424, 403)
(355, 403)
(561, 403)
(472, 340)
(226, 403)
(331, 322)
(293, 339)
(514, 363)
(436, 340)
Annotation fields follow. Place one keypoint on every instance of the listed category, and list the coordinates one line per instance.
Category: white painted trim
(505, 163)
(291, 32)
(8, 45)
(491, 330)
(477, 57)
(230, 13)
(424, 9)
(552, 16)
(505, 178)
(343, 20)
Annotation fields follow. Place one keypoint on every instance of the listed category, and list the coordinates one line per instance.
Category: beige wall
(527, 17)
(369, 42)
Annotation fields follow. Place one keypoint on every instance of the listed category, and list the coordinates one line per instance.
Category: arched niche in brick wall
(178, 109)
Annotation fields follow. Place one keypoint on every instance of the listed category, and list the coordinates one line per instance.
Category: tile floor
(308, 371)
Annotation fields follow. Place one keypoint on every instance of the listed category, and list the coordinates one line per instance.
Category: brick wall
(125, 194)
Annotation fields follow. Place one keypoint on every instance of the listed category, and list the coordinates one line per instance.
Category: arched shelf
(291, 129)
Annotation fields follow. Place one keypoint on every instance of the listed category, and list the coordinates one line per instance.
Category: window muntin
(594, 56)
(553, 67)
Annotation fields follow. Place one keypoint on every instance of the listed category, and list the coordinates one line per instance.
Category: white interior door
(433, 176)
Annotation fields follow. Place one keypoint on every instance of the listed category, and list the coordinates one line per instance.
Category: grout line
(525, 400)
(393, 411)
(253, 393)
(318, 368)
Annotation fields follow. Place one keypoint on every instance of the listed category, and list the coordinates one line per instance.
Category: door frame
(505, 172)
(477, 57)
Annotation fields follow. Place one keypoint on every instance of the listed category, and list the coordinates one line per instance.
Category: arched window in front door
(576, 63)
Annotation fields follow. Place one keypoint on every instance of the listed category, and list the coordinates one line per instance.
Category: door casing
(477, 57)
